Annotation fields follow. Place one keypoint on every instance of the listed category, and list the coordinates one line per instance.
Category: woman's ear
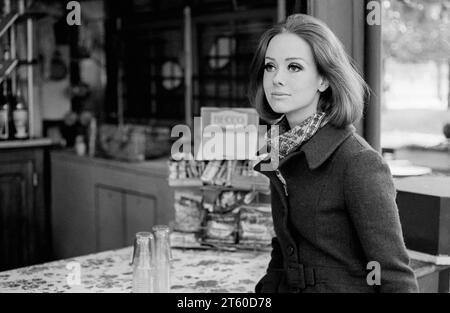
(323, 85)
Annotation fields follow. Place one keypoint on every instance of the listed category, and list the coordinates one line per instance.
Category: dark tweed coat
(337, 213)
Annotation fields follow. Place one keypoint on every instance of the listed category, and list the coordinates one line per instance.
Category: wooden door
(17, 222)
(140, 212)
(110, 219)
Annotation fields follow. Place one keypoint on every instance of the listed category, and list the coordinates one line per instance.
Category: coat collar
(319, 148)
(322, 145)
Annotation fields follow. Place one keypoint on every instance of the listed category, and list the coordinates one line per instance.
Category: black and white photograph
(225, 151)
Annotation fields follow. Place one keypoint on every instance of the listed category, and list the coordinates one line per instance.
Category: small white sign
(228, 134)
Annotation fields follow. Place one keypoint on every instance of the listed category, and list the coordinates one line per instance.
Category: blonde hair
(343, 100)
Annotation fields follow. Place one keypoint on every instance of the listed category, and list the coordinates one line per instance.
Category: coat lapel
(322, 145)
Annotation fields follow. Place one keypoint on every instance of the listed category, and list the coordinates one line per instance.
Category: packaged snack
(184, 240)
(255, 224)
(188, 211)
(173, 170)
(212, 168)
(221, 228)
(193, 168)
(250, 197)
(182, 174)
(229, 200)
(220, 177)
(210, 195)
(231, 167)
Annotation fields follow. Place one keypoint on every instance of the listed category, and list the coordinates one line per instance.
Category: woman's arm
(271, 280)
(370, 198)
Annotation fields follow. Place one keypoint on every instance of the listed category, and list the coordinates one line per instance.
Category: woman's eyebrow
(289, 59)
(295, 58)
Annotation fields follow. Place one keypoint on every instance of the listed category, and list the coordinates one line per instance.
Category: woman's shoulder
(358, 151)
(364, 166)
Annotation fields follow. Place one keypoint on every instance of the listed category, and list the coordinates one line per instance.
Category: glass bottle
(20, 117)
(5, 114)
(162, 258)
(143, 267)
(6, 53)
(80, 145)
(6, 8)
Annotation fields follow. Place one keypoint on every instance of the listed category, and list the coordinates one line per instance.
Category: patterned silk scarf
(288, 139)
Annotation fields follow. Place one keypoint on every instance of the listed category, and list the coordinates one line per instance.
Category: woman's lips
(279, 95)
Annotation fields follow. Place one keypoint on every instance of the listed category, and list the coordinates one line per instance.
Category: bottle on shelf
(5, 114)
(6, 7)
(80, 145)
(7, 91)
(6, 53)
(20, 116)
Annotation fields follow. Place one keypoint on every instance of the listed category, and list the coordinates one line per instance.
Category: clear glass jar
(143, 263)
(162, 258)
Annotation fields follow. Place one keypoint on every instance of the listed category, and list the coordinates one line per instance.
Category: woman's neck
(295, 118)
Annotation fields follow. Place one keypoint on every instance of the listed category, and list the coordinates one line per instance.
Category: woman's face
(291, 80)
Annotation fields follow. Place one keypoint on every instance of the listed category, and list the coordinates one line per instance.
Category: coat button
(290, 250)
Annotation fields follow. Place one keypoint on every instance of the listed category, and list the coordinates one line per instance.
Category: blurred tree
(417, 31)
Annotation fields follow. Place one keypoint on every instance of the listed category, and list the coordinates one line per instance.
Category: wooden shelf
(188, 182)
(6, 67)
(29, 143)
(7, 21)
(257, 183)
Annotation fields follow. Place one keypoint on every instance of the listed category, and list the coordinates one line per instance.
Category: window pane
(416, 76)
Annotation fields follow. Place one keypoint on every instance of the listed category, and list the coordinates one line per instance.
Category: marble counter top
(191, 271)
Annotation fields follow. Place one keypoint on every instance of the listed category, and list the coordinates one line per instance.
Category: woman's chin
(279, 109)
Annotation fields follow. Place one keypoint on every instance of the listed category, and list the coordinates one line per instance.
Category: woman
(333, 200)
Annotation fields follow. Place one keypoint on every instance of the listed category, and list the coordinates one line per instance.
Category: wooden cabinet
(100, 204)
(24, 229)
(120, 215)
(110, 232)
(140, 214)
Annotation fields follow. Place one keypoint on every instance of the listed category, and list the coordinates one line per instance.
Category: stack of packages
(233, 219)
(255, 226)
(189, 215)
(221, 222)
(215, 215)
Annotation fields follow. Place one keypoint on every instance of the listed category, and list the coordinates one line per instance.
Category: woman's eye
(295, 67)
(269, 67)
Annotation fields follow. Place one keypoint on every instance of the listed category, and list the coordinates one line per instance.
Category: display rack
(218, 194)
(256, 183)
(12, 15)
(252, 190)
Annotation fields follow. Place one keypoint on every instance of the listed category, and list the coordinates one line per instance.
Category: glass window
(416, 79)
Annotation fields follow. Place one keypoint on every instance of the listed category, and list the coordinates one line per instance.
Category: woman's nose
(278, 78)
